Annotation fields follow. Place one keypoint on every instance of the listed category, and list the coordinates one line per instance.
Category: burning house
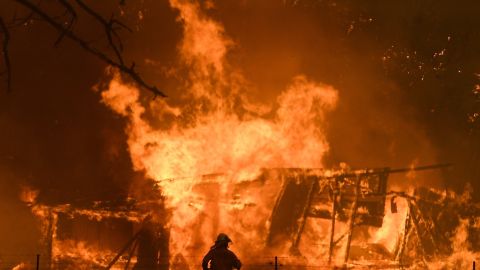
(125, 235)
(99, 235)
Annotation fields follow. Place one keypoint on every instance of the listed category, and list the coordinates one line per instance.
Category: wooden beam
(332, 227)
(303, 221)
(351, 222)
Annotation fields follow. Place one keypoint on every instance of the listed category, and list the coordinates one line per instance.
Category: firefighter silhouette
(220, 257)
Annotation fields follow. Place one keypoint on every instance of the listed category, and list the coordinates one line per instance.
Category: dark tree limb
(110, 30)
(6, 58)
(22, 21)
(73, 15)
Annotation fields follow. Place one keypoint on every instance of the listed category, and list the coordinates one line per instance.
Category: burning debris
(89, 235)
(358, 199)
(124, 235)
(433, 223)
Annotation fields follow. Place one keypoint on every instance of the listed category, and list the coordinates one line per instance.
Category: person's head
(222, 240)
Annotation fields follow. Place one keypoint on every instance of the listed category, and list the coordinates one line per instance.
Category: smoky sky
(401, 100)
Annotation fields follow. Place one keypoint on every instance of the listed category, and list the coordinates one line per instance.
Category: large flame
(216, 129)
(201, 146)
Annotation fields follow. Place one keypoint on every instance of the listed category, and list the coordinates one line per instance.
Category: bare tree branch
(73, 15)
(22, 21)
(109, 30)
(6, 59)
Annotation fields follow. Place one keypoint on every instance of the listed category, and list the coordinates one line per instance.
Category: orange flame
(218, 130)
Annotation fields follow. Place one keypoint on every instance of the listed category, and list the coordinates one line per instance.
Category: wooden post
(473, 265)
(120, 253)
(130, 254)
(414, 220)
(306, 209)
(276, 263)
(38, 261)
(351, 222)
(332, 228)
(406, 233)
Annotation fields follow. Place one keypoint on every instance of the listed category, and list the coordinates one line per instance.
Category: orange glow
(219, 130)
(28, 195)
(83, 255)
(218, 138)
(254, 111)
(392, 226)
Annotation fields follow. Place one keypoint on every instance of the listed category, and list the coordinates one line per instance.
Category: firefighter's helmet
(223, 238)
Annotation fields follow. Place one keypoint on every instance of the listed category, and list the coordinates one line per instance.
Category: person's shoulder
(209, 253)
(230, 252)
